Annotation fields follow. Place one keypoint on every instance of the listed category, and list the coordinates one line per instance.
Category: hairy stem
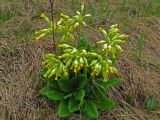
(53, 37)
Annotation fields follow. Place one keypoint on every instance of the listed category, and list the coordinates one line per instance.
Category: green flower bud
(64, 55)
(113, 31)
(123, 36)
(113, 70)
(46, 18)
(85, 61)
(93, 62)
(84, 23)
(109, 62)
(101, 42)
(103, 31)
(118, 48)
(49, 64)
(64, 46)
(52, 73)
(105, 46)
(81, 61)
(88, 15)
(67, 50)
(47, 73)
(40, 36)
(68, 63)
(114, 26)
(64, 16)
(74, 50)
(78, 12)
(76, 24)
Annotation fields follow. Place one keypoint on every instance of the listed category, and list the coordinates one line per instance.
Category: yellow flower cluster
(66, 25)
(112, 40)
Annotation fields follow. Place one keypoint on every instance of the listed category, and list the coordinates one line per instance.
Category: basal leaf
(63, 109)
(73, 105)
(82, 78)
(89, 109)
(67, 96)
(44, 90)
(43, 71)
(112, 82)
(65, 84)
(53, 84)
(104, 103)
(55, 95)
(80, 94)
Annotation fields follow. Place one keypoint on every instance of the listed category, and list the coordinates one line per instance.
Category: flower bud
(64, 46)
(118, 48)
(78, 12)
(114, 26)
(52, 73)
(93, 62)
(88, 15)
(109, 62)
(103, 31)
(113, 70)
(101, 42)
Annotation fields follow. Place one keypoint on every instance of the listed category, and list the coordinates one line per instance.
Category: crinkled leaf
(80, 94)
(63, 109)
(104, 103)
(51, 83)
(67, 96)
(44, 90)
(43, 71)
(112, 82)
(82, 78)
(65, 84)
(73, 105)
(89, 109)
(55, 95)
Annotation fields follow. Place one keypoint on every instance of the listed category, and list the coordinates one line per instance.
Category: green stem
(53, 35)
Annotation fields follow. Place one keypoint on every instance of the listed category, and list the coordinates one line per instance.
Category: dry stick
(53, 37)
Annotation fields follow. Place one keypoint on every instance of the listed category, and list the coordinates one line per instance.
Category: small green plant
(78, 76)
(151, 103)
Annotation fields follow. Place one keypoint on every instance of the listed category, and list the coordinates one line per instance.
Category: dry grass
(21, 55)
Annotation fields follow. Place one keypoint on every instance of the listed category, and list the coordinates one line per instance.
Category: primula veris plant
(78, 77)
(66, 25)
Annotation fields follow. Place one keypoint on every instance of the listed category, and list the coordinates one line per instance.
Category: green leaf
(84, 43)
(44, 90)
(80, 94)
(89, 109)
(53, 84)
(63, 109)
(55, 95)
(73, 105)
(42, 71)
(82, 78)
(67, 96)
(151, 103)
(104, 103)
(112, 82)
(65, 84)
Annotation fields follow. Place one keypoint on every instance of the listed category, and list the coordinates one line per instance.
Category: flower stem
(53, 35)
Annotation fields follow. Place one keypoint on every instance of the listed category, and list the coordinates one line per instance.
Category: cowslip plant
(65, 25)
(78, 77)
